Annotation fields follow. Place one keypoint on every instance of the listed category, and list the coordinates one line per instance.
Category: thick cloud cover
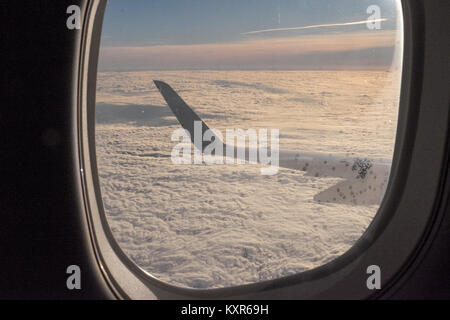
(214, 226)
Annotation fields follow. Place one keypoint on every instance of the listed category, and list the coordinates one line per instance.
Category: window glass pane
(301, 99)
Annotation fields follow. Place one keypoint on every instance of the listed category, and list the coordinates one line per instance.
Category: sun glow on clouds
(268, 53)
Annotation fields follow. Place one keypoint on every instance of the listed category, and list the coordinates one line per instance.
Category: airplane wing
(364, 180)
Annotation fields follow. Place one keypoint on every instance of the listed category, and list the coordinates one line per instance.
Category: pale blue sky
(209, 25)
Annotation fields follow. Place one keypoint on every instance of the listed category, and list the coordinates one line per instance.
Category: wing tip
(159, 84)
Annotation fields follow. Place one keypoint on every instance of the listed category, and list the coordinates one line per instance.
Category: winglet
(185, 115)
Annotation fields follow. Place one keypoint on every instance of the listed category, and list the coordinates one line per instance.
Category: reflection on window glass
(244, 141)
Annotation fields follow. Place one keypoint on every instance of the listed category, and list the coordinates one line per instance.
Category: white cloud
(218, 226)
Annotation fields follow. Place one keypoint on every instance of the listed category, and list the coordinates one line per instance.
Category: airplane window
(244, 141)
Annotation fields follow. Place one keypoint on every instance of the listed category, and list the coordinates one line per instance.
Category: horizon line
(374, 68)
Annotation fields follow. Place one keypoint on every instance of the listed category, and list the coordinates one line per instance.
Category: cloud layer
(366, 49)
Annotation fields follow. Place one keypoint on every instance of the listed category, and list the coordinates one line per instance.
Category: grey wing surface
(364, 180)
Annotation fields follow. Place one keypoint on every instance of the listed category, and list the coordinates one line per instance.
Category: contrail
(316, 26)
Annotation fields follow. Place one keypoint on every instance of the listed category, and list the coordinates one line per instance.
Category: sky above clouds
(246, 35)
